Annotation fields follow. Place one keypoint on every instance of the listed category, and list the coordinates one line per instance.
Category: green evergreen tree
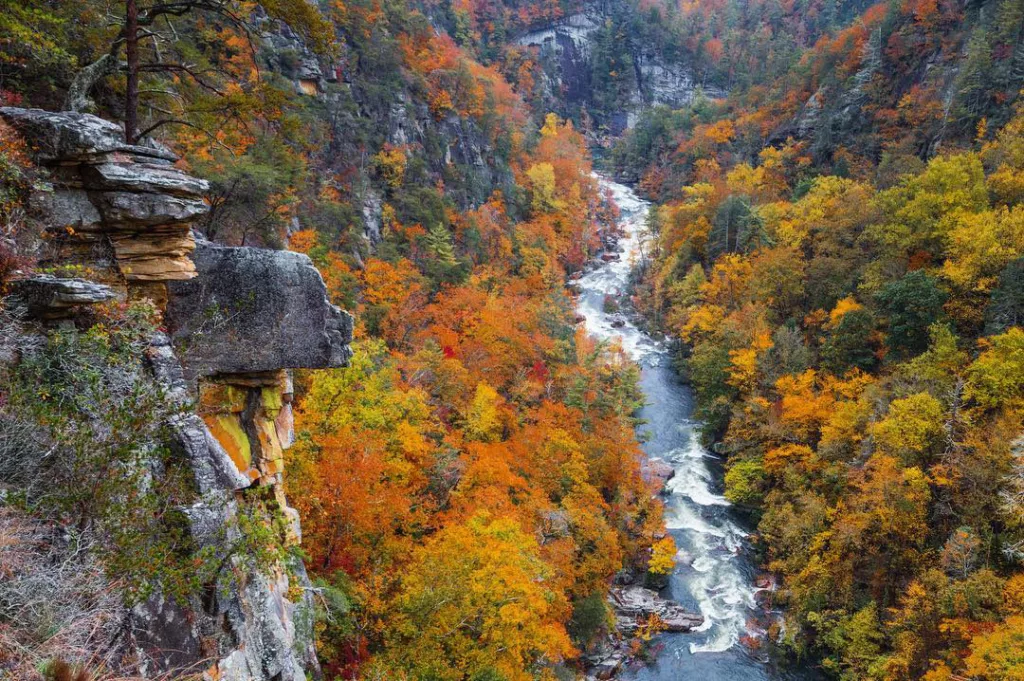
(912, 304)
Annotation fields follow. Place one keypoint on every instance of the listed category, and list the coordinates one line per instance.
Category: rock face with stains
(119, 217)
(257, 625)
(565, 50)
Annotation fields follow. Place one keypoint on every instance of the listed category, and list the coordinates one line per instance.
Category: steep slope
(177, 515)
(872, 98)
(838, 258)
(477, 462)
(595, 64)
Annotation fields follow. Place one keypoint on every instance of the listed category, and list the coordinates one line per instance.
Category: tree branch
(178, 121)
(78, 92)
(156, 67)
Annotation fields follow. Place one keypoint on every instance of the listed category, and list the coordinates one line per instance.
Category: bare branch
(78, 92)
(157, 67)
(178, 121)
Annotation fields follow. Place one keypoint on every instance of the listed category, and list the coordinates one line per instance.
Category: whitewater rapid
(712, 575)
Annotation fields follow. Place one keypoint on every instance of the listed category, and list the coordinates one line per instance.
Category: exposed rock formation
(258, 626)
(124, 211)
(633, 605)
(658, 472)
(48, 297)
(239, 317)
(255, 310)
(565, 48)
(292, 58)
(67, 136)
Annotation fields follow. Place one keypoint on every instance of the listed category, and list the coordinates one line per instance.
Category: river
(712, 574)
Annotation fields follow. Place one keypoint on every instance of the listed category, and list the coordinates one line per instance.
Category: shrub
(84, 441)
(745, 481)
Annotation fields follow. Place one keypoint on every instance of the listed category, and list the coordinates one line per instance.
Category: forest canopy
(835, 254)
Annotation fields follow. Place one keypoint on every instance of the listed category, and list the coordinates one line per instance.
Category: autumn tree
(151, 45)
(474, 602)
(912, 305)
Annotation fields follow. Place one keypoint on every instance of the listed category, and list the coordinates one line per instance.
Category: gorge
(511, 340)
(713, 574)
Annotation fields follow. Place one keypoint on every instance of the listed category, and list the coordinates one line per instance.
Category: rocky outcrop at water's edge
(635, 605)
(635, 608)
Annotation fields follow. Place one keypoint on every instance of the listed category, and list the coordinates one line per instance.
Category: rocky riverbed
(714, 598)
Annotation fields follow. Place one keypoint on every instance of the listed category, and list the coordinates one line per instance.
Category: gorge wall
(578, 51)
(114, 226)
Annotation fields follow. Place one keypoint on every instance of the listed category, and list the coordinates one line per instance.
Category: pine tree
(439, 243)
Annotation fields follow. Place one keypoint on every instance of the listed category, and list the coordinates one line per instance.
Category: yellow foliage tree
(483, 422)
(912, 428)
(999, 654)
(475, 601)
(542, 183)
(663, 556)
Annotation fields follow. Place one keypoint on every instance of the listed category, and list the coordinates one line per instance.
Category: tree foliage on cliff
(474, 473)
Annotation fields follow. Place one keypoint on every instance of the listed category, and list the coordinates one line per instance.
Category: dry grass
(55, 603)
(61, 617)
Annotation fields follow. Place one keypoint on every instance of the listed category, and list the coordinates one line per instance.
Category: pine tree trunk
(131, 96)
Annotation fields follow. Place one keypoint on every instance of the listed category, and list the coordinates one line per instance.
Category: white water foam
(694, 513)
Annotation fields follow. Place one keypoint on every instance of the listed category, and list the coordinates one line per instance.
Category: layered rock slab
(255, 310)
(45, 296)
(634, 605)
(123, 210)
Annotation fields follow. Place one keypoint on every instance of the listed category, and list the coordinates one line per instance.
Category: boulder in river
(605, 664)
(656, 472)
(656, 468)
(634, 604)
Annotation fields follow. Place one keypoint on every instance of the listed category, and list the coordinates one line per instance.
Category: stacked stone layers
(124, 211)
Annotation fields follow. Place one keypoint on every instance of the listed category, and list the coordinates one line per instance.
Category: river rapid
(712, 574)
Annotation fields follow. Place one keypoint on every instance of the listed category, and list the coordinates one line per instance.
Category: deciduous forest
(298, 378)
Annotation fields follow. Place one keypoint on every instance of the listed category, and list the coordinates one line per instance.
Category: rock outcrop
(123, 211)
(258, 624)
(255, 310)
(45, 296)
(117, 220)
(565, 50)
(636, 609)
(635, 605)
(657, 472)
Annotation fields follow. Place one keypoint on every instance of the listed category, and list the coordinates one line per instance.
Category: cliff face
(125, 210)
(570, 51)
(119, 219)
